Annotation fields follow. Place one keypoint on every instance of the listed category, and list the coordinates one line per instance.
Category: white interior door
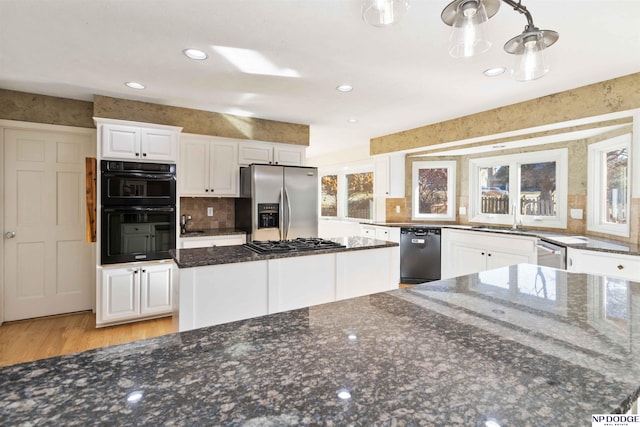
(47, 262)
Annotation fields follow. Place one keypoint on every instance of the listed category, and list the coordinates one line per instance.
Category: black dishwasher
(419, 254)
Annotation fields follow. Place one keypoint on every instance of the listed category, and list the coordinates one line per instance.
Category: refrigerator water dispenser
(268, 215)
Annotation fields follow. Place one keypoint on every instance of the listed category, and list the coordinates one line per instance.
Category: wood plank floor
(34, 339)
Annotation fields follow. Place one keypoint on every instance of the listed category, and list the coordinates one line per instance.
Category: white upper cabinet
(389, 175)
(123, 140)
(208, 166)
(268, 153)
(289, 155)
(255, 152)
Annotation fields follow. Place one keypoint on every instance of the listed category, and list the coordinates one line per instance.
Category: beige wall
(577, 185)
(610, 96)
(202, 122)
(29, 107)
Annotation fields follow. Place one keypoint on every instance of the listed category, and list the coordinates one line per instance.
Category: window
(608, 186)
(359, 195)
(525, 189)
(434, 190)
(347, 194)
(329, 195)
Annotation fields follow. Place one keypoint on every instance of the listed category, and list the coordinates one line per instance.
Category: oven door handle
(153, 176)
(141, 209)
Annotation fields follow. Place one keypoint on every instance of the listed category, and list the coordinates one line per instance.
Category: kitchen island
(521, 345)
(222, 284)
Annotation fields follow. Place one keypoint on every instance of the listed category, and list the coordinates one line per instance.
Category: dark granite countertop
(208, 232)
(569, 240)
(522, 345)
(199, 257)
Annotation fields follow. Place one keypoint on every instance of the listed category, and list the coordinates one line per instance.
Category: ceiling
(402, 75)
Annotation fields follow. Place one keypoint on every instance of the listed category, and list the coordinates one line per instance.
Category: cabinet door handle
(135, 271)
(570, 262)
(488, 254)
(482, 253)
(144, 154)
(620, 267)
(137, 154)
(206, 190)
(144, 271)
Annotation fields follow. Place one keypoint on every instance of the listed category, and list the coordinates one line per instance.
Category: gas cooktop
(294, 245)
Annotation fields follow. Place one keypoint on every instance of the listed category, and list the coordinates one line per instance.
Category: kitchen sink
(568, 240)
(491, 227)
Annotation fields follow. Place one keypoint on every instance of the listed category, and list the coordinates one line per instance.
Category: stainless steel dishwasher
(419, 254)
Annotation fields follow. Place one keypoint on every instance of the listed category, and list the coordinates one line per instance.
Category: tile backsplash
(223, 212)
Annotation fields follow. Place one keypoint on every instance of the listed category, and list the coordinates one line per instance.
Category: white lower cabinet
(468, 252)
(215, 294)
(380, 232)
(131, 293)
(603, 264)
(208, 241)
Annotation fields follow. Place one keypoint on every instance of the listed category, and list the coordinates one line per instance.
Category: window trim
(320, 176)
(595, 182)
(341, 195)
(345, 196)
(560, 156)
(450, 165)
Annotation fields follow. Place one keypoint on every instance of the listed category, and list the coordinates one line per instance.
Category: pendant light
(529, 47)
(467, 20)
(382, 13)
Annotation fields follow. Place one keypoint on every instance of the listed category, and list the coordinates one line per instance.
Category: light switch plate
(397, 209)
(462, 210)
(209, 211)
(576, 213)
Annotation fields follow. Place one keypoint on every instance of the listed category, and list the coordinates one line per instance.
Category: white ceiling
(402, 75)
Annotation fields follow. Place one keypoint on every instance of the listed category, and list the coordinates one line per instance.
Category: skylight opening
(253, 62)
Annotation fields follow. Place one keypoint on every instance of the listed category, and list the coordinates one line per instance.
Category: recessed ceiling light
(135, 85)
(493, 72)
(344, 88)
(352, 120)
(195, 54)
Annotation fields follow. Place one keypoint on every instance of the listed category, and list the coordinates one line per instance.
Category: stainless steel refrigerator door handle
(288, 219)
(281, 219)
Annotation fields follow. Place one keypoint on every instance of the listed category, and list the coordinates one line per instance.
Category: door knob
(10, 234)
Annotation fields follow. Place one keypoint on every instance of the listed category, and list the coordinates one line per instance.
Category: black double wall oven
(138, 211)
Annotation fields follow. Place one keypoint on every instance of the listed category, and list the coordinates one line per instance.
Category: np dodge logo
(614, 420)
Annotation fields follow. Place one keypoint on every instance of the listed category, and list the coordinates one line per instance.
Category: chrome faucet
(183, 223)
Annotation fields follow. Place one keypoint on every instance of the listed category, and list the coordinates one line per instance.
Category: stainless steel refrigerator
(278, 202)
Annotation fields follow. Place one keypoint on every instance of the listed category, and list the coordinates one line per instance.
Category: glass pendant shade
(382, 13)
(468, 29)
(528, 48)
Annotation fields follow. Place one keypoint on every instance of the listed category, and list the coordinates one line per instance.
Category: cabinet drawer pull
(620, 266)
